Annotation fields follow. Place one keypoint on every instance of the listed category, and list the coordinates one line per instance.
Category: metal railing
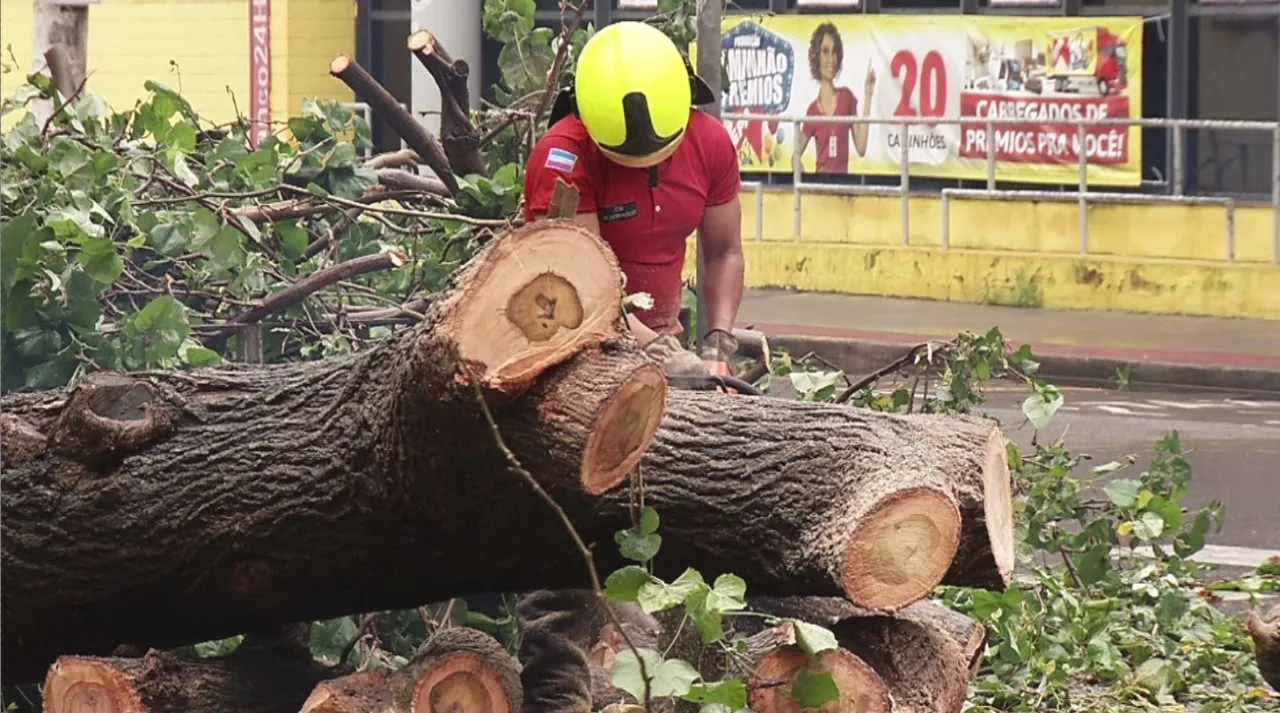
(1082, 195)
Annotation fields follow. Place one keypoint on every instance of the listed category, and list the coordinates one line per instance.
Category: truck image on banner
(1050, 72)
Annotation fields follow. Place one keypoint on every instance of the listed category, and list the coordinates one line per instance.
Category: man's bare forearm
(721, 287)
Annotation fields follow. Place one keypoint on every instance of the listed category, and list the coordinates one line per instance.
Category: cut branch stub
(458, 135)
(601, 409)
(108, 416)
(551, 289)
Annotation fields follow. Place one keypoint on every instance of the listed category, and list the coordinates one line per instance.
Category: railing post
(1179, 135)
(1275, 196)
(946, 220)
(1083, 188)
(759, 211)
(795, 180)
(905, 182)
(991, 153)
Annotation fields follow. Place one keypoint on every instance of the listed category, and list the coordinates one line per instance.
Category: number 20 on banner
(924, 84)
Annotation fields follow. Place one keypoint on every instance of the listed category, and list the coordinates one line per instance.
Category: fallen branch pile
(153, 510)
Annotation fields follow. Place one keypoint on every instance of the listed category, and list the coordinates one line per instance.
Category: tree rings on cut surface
(464, 670)
(861, 690)
(901, 549)
(542, 293)
(626, 428)
(83, 685)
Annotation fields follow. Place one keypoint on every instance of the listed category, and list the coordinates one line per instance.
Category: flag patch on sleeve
(561, 160)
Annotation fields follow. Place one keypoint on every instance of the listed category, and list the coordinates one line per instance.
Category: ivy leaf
(731, 693)
(635, 545)
(812, 689)
(1123, 492)
(293, 239)
(1149, 526)
(1040, 406)
(100, 260)
(656, 595)
(649, 521)
(667, 678)
(812, 638)
(624, 584)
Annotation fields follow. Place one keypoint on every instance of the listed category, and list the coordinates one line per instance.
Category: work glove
(717, 350)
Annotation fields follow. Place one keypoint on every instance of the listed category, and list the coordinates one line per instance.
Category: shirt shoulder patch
(561, 160)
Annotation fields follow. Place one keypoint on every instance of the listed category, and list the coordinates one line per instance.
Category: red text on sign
(1048, 136)
(932, 75)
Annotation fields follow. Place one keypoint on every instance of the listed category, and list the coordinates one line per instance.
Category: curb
(863, 356)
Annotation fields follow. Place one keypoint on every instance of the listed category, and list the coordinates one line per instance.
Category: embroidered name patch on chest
(623, 211)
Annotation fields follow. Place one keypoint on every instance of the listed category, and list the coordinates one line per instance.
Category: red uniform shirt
(832, 139)
(647, 226)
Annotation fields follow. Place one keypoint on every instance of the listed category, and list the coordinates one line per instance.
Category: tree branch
(457, 133)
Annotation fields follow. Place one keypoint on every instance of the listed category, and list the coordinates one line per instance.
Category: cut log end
(108, 416)
(464, 670)
(901, 549)
(83, 685)
(861, 690)
(998, 497)
(627, 427)
(339, 64)
(558, 288)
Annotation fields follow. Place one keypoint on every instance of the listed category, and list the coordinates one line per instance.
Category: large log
(924, 669)
(272, 486)
(162, 509)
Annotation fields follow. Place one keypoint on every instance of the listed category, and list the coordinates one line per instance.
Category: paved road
(1235, 443)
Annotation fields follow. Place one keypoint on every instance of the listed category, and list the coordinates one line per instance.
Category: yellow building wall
(1165, 259)
(199, 48)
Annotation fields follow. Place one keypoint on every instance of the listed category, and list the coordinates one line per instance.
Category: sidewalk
(862, 333)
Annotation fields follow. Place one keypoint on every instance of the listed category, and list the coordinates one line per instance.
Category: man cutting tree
(649, 170)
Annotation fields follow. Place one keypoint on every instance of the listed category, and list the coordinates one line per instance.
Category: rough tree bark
(458, 135)
(161, 509)
(363, 692)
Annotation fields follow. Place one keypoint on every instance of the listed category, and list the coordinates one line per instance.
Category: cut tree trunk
(777, 662)
(458, 135)
(266, 681)
(967, 632)
(820, 499)
(463, 670)
(273, 486)
(161, 509)
(924, 669)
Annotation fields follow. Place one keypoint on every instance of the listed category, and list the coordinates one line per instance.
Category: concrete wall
(198, 47)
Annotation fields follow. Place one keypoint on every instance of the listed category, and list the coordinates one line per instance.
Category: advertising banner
(1049, 71)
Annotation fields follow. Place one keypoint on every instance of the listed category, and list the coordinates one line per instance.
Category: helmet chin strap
(653, 176)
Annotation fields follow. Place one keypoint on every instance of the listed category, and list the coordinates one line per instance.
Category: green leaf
(196, 356)
(1123, 492)
(667, 678)
(730, 692)
(1157, 676)
(656, 595)
(1040, 407)
(293, 239)
(624, 584)
(183, 171)
(226, 247)
(635, 545)
(100, 260)
(649, 521)
(1148, 526)
(812, 638)
(1168, 511)
(812, 689)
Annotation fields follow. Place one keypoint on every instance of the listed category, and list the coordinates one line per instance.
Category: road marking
(1224, 555)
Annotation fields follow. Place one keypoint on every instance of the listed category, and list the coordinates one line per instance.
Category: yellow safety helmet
(633, 90)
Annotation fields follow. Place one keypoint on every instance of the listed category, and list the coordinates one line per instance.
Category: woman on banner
(826, 59)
